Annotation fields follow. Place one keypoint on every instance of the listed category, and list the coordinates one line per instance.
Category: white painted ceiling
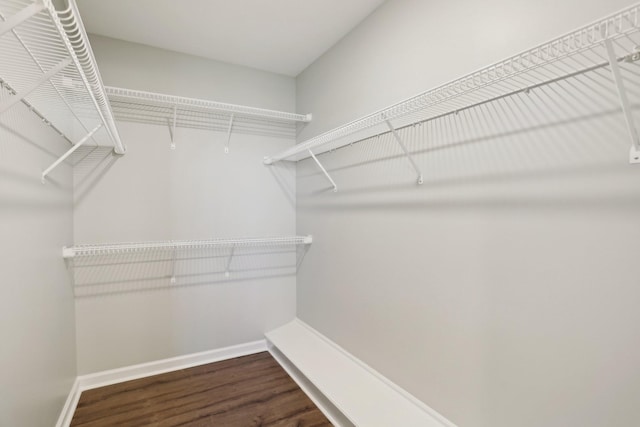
(281, 36)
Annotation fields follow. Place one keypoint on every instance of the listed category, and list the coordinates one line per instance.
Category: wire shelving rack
(171, 245)
(607, 45)
(47, 64)
(124, 267)
(177, 111)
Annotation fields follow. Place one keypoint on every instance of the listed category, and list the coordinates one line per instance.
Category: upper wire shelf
(176, 111)
(171, 245)
(47, 64)
(605, 43)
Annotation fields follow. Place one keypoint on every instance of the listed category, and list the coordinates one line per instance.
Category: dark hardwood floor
(247, 391)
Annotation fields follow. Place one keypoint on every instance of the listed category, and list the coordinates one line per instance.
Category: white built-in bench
(346, 390)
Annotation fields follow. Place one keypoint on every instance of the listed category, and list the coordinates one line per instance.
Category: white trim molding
(133, 372)
(64, 420)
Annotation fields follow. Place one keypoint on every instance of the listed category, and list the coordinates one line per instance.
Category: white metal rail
(606, 43)
(171, 245)
(176, 111)
(48, 65)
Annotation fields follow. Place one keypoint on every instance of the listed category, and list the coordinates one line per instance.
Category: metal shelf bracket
(324, 171)
(173, 265)
(228, 266)
(226, 147)
(172, 129)
(624, 102)
(69, 152)
(20, 17)
(406, 152)
(10, 102)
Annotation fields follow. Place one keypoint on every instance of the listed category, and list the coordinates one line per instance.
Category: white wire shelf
(176, 111)
(608, 43)
(141, 266)
(48, 65)
(172, 245)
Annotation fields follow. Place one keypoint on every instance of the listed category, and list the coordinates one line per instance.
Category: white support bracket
(173, 265)
(68, 153)
(228, 266)
(10, 102)
(20, 17)
(307, 241)
(406, 152)
(324, 171)
(172, 129)
(624, 102)
(226, 147)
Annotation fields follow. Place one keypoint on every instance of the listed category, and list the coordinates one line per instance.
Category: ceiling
(281, 36)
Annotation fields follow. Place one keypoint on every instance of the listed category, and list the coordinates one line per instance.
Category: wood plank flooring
(247, 391)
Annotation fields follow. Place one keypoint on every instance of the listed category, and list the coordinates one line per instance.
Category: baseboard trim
(70, 405)
(134, 372)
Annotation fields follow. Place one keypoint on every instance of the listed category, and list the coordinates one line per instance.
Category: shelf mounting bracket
(226, 147)
(68, 153)
(20, 17)
(172, 129)
(324, 171)
(624, 102)
(394, 132)
(173, 265)
(229, 258)
(10, 102)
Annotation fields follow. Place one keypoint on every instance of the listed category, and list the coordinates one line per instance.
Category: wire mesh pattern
(91, 250)
(564, 58)
(127, 267)
(556, 130)
(48, 63)
(161, 109)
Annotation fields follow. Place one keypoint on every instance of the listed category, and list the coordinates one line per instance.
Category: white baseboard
(133, 372)
(70, 405)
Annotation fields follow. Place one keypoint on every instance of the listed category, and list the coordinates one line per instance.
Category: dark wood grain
(246, 391)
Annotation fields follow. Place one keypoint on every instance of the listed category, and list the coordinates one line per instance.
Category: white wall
(131, 313)
(503, 291)
(36, 301)
(139, 67)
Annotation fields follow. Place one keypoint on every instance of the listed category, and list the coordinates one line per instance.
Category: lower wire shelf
(137, 266)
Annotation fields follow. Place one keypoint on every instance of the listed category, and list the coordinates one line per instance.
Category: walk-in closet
(372, 213)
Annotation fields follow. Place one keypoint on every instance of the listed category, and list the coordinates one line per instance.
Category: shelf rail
(606, 43)
(48, 65)
(177, 111)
